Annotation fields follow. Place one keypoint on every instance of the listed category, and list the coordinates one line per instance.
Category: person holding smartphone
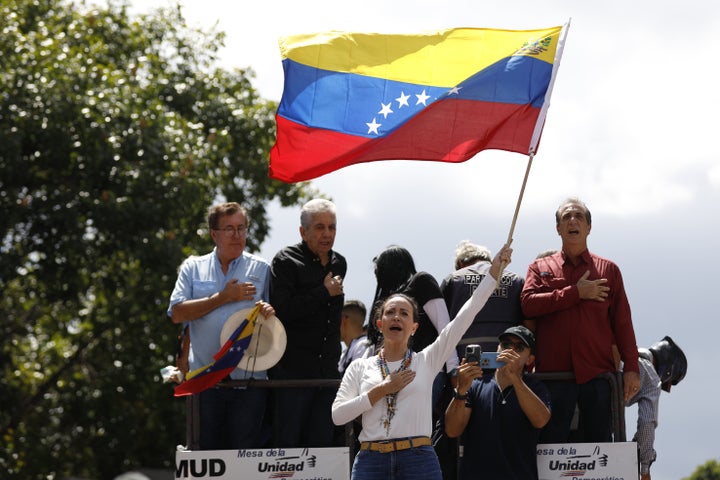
(500, 412)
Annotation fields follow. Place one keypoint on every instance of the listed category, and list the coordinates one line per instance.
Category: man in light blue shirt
(209, 289)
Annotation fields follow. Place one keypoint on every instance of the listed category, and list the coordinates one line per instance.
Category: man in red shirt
(577, 301)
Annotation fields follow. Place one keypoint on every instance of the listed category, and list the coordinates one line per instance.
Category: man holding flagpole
(209, 289)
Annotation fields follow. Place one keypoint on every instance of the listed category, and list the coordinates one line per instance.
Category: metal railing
(192, 410)
(192, 422)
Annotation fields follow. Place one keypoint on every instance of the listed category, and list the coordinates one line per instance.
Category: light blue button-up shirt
(202, 276)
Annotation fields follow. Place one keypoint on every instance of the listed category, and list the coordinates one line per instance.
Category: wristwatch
(457, 395)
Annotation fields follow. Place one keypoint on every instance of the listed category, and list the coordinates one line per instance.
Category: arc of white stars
(386, 108)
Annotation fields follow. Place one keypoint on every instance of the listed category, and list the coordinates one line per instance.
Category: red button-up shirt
(574, 334)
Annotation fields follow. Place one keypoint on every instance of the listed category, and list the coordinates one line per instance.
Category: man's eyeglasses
(229, 231)
(517, 346)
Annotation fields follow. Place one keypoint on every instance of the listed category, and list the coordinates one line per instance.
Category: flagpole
(537, 131)
(517, 210)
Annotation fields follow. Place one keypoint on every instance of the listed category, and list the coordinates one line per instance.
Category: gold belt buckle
(386, 447)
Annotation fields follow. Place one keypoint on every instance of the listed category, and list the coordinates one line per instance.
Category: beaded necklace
(391, 399)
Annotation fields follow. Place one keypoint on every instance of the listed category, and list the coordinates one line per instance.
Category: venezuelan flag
(350, 98)
(224, 361)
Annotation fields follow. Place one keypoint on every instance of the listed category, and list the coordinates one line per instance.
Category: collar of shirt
(584, 257)
(311, 255)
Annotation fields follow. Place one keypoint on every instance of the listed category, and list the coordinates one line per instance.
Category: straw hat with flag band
(224, 361)
(267, 344)
(248, 340)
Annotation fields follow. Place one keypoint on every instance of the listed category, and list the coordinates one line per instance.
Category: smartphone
(488, 360)
(473, 353)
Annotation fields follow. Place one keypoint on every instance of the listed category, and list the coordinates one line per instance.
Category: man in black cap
(503, 411)
(661, 366)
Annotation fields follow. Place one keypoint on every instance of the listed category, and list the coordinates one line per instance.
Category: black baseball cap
(522, 333)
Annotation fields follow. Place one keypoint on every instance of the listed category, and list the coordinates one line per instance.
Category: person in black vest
(503, 309)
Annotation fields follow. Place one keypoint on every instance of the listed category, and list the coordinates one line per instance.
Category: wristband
(457, 395)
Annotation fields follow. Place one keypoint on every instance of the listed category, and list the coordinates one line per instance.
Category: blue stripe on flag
(352, 103)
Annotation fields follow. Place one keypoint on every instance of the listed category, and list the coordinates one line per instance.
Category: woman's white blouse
(413, 411)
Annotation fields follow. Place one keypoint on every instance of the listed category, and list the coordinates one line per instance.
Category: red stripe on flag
(446, 131)
(201, 382)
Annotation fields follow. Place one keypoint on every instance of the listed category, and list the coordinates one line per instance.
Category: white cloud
(714, 175)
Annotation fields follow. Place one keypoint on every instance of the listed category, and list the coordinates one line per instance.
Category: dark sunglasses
(517, 346)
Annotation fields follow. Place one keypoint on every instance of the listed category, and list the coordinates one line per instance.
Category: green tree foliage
(709, 470)
(116, 134)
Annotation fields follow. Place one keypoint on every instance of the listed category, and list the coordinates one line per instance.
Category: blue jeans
(419, 463)
(232, 418)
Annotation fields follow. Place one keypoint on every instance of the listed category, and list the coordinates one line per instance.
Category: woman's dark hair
(394, 267)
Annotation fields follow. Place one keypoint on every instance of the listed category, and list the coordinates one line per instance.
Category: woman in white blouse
(392, 390)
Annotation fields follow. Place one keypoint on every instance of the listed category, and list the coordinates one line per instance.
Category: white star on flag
(402, 100)
(386, 110)
(422, 98)
(373, 127)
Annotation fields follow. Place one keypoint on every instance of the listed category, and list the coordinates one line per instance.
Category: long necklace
(391, 399)
(504, 396)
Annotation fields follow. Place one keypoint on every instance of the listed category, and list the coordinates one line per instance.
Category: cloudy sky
(632, 130)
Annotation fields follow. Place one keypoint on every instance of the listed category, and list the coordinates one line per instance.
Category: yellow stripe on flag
(443, 58)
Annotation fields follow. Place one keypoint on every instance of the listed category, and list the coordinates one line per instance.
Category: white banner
(588, 461)
(264, 464)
